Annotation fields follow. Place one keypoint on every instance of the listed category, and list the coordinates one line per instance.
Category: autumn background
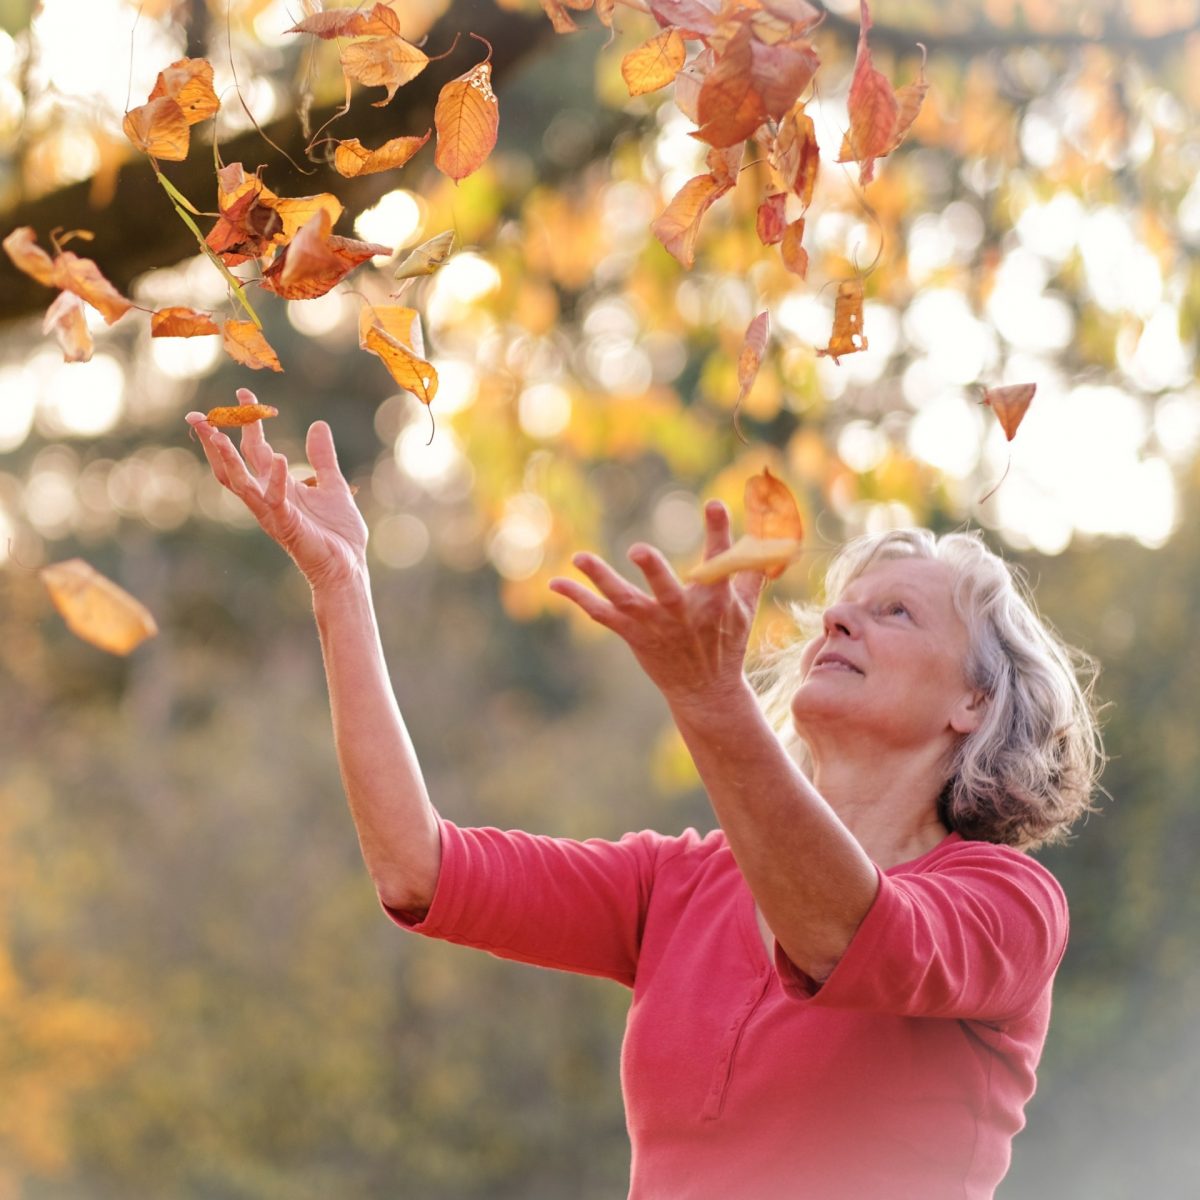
(198, 994)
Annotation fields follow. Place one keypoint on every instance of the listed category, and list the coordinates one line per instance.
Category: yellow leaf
(654, 63)
(351, 158)
(388, 62)
(181, 321)
(244, 343)
(679, 224)
(159, 129)
(410, 372)
(96, 609)
(467, 118)
(394, 319)
(770, 555)
(427, 257)
(189, 82)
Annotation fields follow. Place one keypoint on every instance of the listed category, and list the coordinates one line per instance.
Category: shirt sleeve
(575, 906)
(977, 936)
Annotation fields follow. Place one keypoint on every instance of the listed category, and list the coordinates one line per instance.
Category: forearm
(812, 880)
(396, 823)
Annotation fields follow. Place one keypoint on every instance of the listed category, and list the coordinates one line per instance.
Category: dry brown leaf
(780, 73)
(693, 19)
(351, 158)
(21, 246)
(180, 321)
(315, 261)
(679, 224)
(84, 278)
(654, 63)
(556, 10)
(910, 98)
(401, 323)
(189, 82)
(65, 318)
(159, 129)
(381, 21)
(750, 355)
(387, 62)
(1010, 403)
(771, 509)
(410, 372)
(795, 154)
(772, 220)
(426, 258)
(847, 336)
(792, 251)
(467, 118)
(240, 414)
(872, 107)
(730, 108)
(244, 343)
(96, 609)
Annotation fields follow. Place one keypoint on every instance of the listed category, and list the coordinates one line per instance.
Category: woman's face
(890, 663)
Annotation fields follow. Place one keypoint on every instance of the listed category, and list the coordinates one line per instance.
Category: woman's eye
(895, 609)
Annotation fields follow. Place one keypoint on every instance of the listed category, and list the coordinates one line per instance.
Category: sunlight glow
(83, 399)
(18, 386)
(393, 220)
(544, 410)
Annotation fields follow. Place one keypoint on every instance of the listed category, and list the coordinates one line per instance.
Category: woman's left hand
(690, 639)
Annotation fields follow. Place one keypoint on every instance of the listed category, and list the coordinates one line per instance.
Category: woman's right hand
(319, 526)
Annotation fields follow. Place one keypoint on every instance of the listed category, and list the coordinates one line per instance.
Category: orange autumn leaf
(847, 336)
(730, 108)
(795, 155)
(792, 251)
(66, 320)
(654, 63)
(180, 321)
(244, 343)
(27, 256)
(159, 129)
(315, 261)
(750, 355)
(410, 372)
(679, 224)
(560, 19)
(780, 73)
(96, 609)
(240, 414)
(1010, 404)
(427, 257)
(872, 107)
(387, 62)
(771, 219)
(774, 532)
(909, 98)
(467, 118)
(693, 18)
(351, 158)
(396, 320)
(84, 278)
(189, 82)
(381, 21)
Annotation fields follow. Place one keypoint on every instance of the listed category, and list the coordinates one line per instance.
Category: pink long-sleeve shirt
(903, 1076)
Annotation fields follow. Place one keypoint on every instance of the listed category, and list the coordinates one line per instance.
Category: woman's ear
(968, 713)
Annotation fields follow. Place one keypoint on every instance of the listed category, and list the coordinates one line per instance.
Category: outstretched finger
(717, 536)
(663, 582)
(613, 587)
(596, 607)
(237, 478)
(322, 455)
(255, 449)
(206, 433)
(748, 587)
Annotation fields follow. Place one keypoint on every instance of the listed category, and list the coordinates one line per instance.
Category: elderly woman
(841, 993)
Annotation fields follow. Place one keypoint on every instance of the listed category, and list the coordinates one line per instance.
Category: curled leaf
(244, 342)
(771, 220)
(181, 321)
(27, 256)
(847, 336)
(873, 109)
(84, 278)
(750, 355)
(189, 82)
(96, 609)
(381, 21)
(795, 155)
(66, 320)
(654, 63)
(410, 372)
(351, 158)
(240, 414)
(730, 108)
(791, 249)
(1010, 404)
(315, 261)
(679, 224)
(387, 62)
(556, 10)
(396, 320)
(427, 257)
(467, 118)
(771, 509)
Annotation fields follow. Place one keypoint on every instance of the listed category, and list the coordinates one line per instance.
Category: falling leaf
(730, 109)
(397, 321)
(181, 321)
(909, 98)
(725, 162)
(792, 251)
(21, 246)
(1009, 404)
(872, 107)
(689, 81)
(189, 82)
(351, 158)
(410, 372)
(427, 257)
(65, 318)
(84, 278)
(240, 414)
(556, 10)
(467, 119)
(691, 17)
(315, 261)
(96, 609)
(847, 336)
(381, 21)
(387, 62)
(795, 154)
(771, 220)
(654, 63)
(780, 73)
(750, 356)
(244, 343)
(771, 509)
(679, 225)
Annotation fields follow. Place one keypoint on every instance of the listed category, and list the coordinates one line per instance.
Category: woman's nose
(841, 617)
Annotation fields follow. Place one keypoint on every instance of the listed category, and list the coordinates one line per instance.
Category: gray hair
(1028, 772)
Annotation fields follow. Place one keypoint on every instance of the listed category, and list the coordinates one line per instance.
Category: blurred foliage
(198, 996)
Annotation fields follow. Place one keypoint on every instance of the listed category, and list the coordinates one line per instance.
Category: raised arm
(321, 528)
(811, 879)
